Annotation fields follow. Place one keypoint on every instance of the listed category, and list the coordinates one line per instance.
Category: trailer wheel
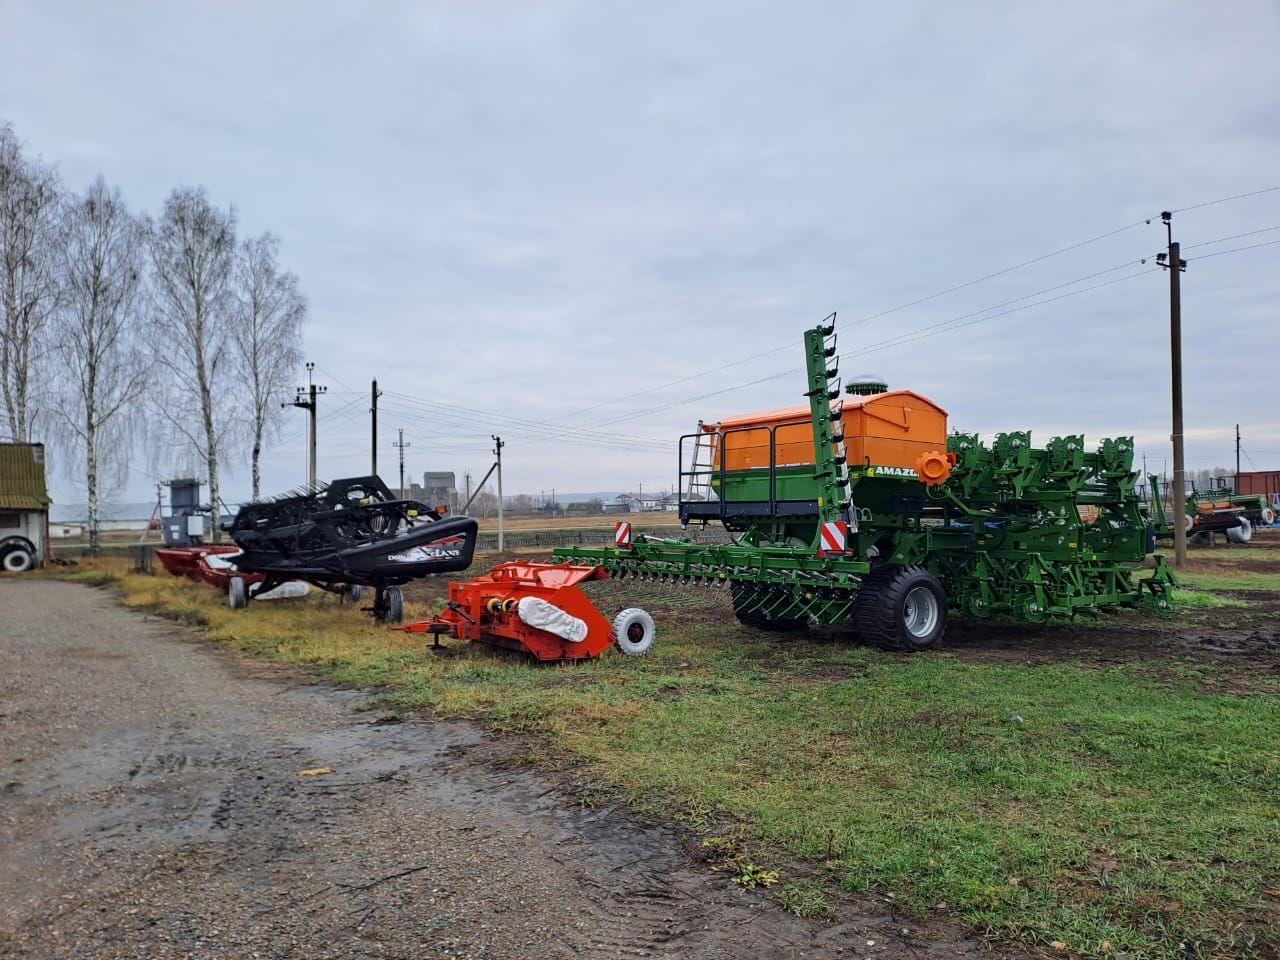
(740, 594)
(237, 595)
(633, 632)
(1242, 533)
(901, 608)
(395, 605)
(352, 593)
(1268, 516)
(17, 559)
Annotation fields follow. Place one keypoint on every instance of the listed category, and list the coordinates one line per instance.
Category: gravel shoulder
(152, 805)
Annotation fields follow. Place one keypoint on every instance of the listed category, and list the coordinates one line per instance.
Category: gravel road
(151, 805)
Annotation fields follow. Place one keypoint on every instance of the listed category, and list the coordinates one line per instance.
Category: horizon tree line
(118, 329)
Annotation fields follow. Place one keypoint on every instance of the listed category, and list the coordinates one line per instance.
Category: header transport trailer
(859, 508)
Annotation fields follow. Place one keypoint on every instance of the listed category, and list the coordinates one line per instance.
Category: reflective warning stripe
(622, 534)
(834, 537)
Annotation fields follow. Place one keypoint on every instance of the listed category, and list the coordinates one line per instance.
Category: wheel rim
(920, 612)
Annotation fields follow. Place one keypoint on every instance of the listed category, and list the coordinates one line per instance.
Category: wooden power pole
(1174, 263)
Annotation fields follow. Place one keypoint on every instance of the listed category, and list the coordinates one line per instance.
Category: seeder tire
(633, 632)
(1242, 533)
(901, 608)
(352, 593)
(237, 594)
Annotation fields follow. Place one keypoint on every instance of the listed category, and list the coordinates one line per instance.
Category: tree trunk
(257, 453)
(91, 480)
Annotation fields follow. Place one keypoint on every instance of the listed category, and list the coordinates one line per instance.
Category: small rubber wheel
(901, 608)
(633, 632)
(17, 560)
(1242, 533)
(1268, 516)
(395, 605)
(237, 595)
(352, 593)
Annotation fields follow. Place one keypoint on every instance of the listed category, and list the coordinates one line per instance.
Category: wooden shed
(24, 507)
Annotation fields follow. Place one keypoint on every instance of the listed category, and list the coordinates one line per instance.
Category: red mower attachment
(538, 608)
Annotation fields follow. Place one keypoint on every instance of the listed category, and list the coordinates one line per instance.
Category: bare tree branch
(29, 203)
(193, 247)
(269, 312)
(97, 337)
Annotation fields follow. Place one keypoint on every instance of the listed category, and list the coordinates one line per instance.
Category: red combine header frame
(537, 608)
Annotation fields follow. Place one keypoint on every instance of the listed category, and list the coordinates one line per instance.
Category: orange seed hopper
(898, 428)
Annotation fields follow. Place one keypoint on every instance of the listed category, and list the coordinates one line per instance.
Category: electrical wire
(1238, 196)
(1235, 236)
(944, 324)
(933, 296)
(1252, 246)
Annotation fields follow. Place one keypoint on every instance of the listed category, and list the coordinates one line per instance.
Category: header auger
(859, 508)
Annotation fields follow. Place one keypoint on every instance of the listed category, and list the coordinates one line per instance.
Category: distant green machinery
(1209, 512)
(860, 509)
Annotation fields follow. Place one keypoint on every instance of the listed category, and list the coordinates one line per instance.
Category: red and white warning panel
(622, 535)
(835, 535)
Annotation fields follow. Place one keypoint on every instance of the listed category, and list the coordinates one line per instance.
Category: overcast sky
(533, 212)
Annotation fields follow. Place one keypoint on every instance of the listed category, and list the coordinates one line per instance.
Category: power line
(1238, 196)
(952, 323)
(598, 441)
(1235, 236)
(536, 429)
(911, 303)
(1252, 246)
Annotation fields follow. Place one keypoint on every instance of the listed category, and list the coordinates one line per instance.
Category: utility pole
(502, 529)
(305, 399)
(375, 393)
(1235, 481)
(467, 476)
(400, 445)
(1173, 262)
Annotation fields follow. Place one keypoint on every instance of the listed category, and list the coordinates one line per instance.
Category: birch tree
(29, 198)
(193, 252)
(97, 340)
(269, 312)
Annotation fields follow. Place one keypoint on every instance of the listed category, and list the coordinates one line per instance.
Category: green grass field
(1081, 807)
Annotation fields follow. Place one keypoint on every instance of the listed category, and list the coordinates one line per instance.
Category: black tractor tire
(901, 608)
(740, 594)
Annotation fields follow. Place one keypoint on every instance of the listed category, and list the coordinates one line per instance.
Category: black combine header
(350, 534)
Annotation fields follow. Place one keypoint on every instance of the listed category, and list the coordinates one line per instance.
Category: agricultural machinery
(1209, 512)
(352, 533)
(859, 508)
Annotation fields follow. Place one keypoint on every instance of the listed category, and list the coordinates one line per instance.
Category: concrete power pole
(400, 445)
(502, 531)
(1173, 262)
(305, 399)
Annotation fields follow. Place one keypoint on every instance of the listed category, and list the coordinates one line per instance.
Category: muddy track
(152, 805)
